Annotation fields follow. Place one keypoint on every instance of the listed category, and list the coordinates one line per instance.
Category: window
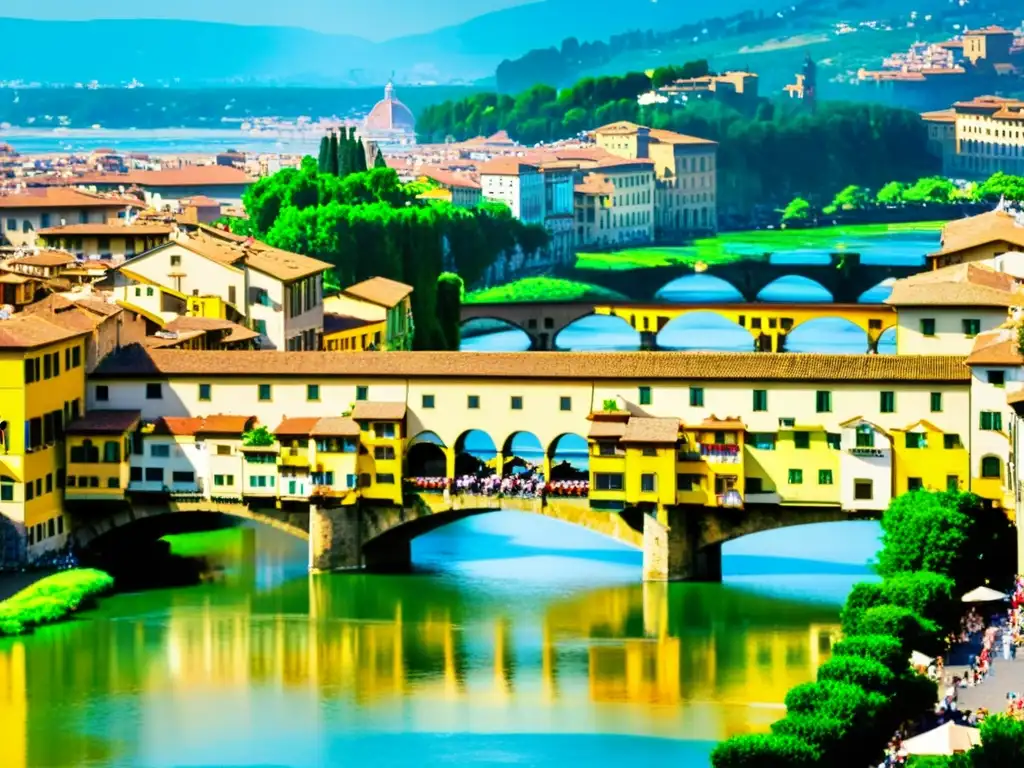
(949, 442)
(30, 492)
(952, 483)
(936, 400)
(264, 393)
(796, 477)
(865, 436)
(992, 421)
(428, 401)
(927, 326)
(385, 479)
(313, 393)
(645, 395)
(608, 481)
(175, 260)
(760, 399)
(154, 474)
(516, 403)
(565, 403)
(134, 475)
(888, 402)
(823, 401)
(863, 490)
(56, 363)
(30, 370)
(204, 393)
(223, 450)
(384, 452)
(997, 378)
(112, 452)
(991, 466)
(219, 480)
(76, 356)
(160, 451)
(102, 393)
(754, 485)
(801, 440)
(647, 483)
(47, 370)
(154, 392)
(607, 448)
(650, 450)
(915, 440)
(260, 327)
(972, 327)
(824, 477)
(688, 482)
(472, 401)
(385, 430)
(362, 393)
(6, 488)
(834, 440)
(763, 441)
(696, 397)
(183, 477)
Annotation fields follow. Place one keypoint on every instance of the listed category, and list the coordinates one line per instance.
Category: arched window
(991, 466)
(6, 488)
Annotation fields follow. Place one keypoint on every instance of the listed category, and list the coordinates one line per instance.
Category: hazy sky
(373, 19)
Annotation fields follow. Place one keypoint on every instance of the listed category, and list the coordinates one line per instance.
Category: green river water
(501, 650)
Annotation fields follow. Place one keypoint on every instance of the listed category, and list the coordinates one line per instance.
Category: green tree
(870, 675)
(863, 595)
(850, 198)
(258, 437)
(885, 649)
(325, 152)
(891, 193)
(379, 161)
(929, 595)
(901, 623)
(764, 751)
(798, 209)
(449, 308)
(1002, 743)
(931, 189)
(332, 154)
(1001, 185)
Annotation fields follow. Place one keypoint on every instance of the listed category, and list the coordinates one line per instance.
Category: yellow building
(927, 458)
(375, 314)
(42, 389)
(978, 138)
(117, 240)
(99, 449)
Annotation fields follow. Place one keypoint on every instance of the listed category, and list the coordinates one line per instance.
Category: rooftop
(188, 176)
(367, 410)
(335, 426)
(136, 362)
(993, 226)
(222, 424)
(27, 331)
(996, 347)
(44, 259)
(651, 430)
(380, 291)
(104, 423)
(300, 426)
(958, 285)
(109, 228)
(506, 166)
(177, 425)
(64, 197)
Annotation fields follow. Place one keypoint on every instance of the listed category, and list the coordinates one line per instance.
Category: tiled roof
(506, 166)
(994, 226)
(99, 306)
(298, 426)
(189, 176)
(66, 314)
(134, 361)
(45, 259)
(177, 425)
(107, 228)
(335, 426)
(958, 285)
(221, 424)
(367, 410)
(996, 347)
(380, 291)
(448, 178)
(26, 331)
(64, 197)
(605, 429)
(104, 423)
(671, 137)
(651, 430)
(235, 331)
(227, 248)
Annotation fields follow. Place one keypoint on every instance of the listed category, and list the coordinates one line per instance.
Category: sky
(374, 20)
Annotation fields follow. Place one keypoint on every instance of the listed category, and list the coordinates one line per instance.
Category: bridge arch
(613, 331)
(697, 288)
(426, 455)
(877, 293)
(568, 456)
(521, 450)
(475, 452)
(844, 335)
(795, 288)
(487, 333)
(705, 329)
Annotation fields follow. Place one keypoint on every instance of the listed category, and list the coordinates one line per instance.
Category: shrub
(51, 599)
(901, 623)
(764, 751)
(864, 595)
(911, 695)
(885, 649)
(929, 595)
(866, 673)
(1002, 743)
(826, 734)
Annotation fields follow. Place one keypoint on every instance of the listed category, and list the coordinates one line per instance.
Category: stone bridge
(678, 543)
(845, 277)
(769, 323)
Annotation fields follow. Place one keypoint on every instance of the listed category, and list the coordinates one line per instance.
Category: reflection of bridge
(768, 323)
(844, 276)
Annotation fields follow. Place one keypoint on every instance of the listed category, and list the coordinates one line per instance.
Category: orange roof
(366, 410)
(651, 430)
(201, 201)
(27, 331)
(221, 424)
(64, 197)
(297, 427)
(109, 228)
(671, 137)
(507, 166)
(940, 116)
(994, 226)
(380, 291)
(112, 422)
(188, 176)
(177, 425)
(335, 426)
(996, 347)
(45, 259)
(958, 285)
(448, 178)
(992, 29)
(595, 184)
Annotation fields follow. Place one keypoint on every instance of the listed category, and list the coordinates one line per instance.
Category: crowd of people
(522, 485)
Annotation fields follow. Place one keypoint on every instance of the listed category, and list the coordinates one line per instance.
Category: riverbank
(543, 289)
(52, 599)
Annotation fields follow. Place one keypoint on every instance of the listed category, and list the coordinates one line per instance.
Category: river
(902, 245)
(518, 640)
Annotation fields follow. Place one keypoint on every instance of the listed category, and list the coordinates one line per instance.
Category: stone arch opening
(705, 330)
(878, 293)
(700, 289)
(475, 454)
(522, 454)
(493, 334)
(568, 455)
(828, 333)
(795, 289)
(598, 332)
(425, 456)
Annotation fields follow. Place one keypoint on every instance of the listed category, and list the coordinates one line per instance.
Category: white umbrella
(918, 659)
(982, 595)
(947, 739)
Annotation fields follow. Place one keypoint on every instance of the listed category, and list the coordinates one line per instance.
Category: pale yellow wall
(346, 305)
(949, 338)
(198, 274)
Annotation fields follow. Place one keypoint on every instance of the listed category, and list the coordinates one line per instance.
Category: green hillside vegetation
(543, 289)
(766, 158)
(52, 599)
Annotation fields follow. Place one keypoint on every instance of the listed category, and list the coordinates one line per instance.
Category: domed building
(390, 121)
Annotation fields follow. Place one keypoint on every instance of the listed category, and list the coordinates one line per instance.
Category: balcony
(720, 453)
(294, 457)
(684, 456)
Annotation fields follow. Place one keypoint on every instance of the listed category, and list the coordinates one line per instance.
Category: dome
(390, 114)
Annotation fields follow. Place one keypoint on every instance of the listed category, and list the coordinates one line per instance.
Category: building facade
(979, 137)
(518, 184)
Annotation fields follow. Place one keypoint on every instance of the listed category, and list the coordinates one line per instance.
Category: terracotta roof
(201, 201)
(671, 137)
(380, 291)
(595, 184)
(104, 423)
(13, 278)
(366, 410)
(296, 427)
(958, 285)
(27, 331)
(940, 116)
(66, 314)
(177, 425)
(614, 164)
(161, 342)
(996, 347)
(235, 331)
(651, 430)
(134, 361)
(989, 30)
(449, 178)
(227, 248)
(64, 197)
(108, 228)
(335, 426)
(221, 424)
(994, 226)
(188, 176)
(334, 323)
(605, 429)
(506, 166)
(98, 306)
(45, 259)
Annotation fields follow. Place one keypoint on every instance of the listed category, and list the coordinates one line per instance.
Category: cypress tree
(332, 155)
(449, 308)
(344, 154)
(378, 161)
(325, 152)
(360, 155)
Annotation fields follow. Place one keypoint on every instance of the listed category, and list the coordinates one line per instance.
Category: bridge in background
(844, 276)
(769, 323)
